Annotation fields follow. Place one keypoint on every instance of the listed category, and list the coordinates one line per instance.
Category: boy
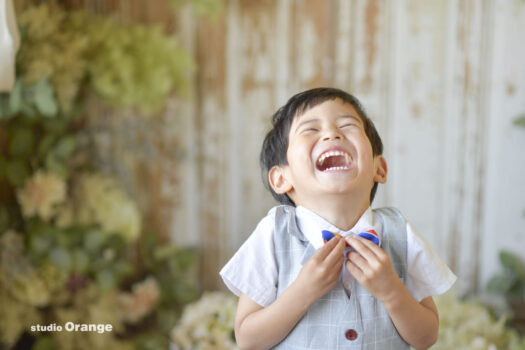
(323, 161)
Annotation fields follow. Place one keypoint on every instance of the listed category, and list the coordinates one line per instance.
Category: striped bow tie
(371, 235)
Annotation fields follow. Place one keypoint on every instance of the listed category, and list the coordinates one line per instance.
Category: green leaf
(39, 244)
(43, 343)
(65, 147)
(123, 268)
(80, 260)
(44, 98)
(106, 280)
(60, 258)
(93, 240)
(15, 98)
(55, 126)
(56, 165)
(21, 142)
(45, 145)
(513, 264)
(4, 106)
(499, 284)
(519, 121)
(17, 172)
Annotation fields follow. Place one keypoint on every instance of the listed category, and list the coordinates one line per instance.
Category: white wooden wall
(442, 79)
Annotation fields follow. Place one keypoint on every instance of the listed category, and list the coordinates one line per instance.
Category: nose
(332, 133)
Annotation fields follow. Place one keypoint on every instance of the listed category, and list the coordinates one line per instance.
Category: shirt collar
(311, 225)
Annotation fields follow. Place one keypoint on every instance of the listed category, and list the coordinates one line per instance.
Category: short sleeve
(427, 274)
(253, 268)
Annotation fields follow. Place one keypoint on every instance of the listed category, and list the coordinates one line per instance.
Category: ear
(381, 169)
(278, 180)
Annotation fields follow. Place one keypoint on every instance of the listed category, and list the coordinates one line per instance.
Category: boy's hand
(372, 268)
(321, 272)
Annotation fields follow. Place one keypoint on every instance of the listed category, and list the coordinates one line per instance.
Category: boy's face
(328, 153)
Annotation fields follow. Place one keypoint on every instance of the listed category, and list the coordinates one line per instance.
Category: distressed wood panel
(503, 221)
(442, 80)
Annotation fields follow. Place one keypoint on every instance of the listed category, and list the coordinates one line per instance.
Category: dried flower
(41, 195)
(141, 301)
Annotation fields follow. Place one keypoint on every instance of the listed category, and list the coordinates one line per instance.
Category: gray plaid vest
(336, 320)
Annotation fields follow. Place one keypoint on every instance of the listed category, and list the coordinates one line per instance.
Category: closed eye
(347, 125)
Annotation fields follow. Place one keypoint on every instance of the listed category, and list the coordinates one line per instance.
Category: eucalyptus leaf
(17, 172)
(21, 142)
(15, 97)
(61, 258)
(93, 240)
(65, 147)
(44, 98)
(106, 280)
(39, 244)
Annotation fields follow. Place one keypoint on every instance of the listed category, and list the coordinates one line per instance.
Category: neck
(341, 211)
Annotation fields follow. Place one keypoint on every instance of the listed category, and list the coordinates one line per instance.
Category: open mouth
(333, 161)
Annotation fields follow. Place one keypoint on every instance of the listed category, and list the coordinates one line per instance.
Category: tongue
(332, 162)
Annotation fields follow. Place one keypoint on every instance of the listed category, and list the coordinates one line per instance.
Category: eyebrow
(308, 121)
(350, 116)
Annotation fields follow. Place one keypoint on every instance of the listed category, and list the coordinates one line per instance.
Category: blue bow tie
(371, 235)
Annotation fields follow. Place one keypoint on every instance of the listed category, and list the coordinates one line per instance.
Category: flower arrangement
(207, 324)
(74, 252)
(466, 325)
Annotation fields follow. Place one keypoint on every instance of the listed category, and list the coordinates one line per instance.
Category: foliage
(127, 65)
(511, 282)
(520, 121)
(72, 243)
(468, 325)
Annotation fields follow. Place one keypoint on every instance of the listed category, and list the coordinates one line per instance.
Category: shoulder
(388, 211)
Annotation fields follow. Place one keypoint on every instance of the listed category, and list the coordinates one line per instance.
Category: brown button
(351, 334)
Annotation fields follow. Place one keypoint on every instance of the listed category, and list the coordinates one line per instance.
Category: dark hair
(275, 144)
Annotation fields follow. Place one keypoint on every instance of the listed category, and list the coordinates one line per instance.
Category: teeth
(337, 168)
(348, 159)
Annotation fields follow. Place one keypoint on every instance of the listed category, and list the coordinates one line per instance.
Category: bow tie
(371, 235)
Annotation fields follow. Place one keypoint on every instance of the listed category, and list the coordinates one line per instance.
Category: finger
(358, 260)
(323, 252)
(354, 270)
(362, 248)
(336, 253)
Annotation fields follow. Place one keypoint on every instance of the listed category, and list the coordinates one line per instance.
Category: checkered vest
(336, 320)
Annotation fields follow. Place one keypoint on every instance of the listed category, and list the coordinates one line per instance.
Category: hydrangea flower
(41, 195)
(207, 323)
(101, 201)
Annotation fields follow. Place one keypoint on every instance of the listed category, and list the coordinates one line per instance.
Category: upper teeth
(348, 158)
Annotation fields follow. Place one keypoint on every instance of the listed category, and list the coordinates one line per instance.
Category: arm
(261, 328)
(416, 322)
